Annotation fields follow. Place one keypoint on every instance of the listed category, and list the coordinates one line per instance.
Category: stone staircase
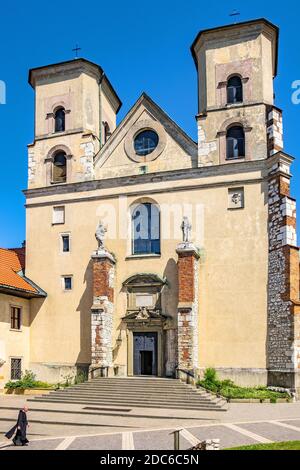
(134, 392)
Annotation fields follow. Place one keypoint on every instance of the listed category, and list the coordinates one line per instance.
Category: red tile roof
(12, 264)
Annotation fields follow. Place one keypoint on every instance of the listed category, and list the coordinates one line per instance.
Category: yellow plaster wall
(13, 343)
(232, 282)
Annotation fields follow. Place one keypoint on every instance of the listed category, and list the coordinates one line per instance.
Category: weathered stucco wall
(13, 343)
(77, 90)
(232, 284)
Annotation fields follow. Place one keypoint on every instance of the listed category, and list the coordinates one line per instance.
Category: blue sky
(142, 46)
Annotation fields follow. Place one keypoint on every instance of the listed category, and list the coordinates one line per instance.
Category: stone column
(102, 312)
(283, 343)
(187, 306)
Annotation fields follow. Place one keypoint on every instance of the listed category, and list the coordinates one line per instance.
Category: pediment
(117, 157)
(144, 279)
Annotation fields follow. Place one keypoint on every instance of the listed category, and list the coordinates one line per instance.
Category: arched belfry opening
(234, 90)
(59, 167)
(59, 120)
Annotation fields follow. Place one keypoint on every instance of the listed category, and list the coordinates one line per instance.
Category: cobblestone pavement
(230, 435)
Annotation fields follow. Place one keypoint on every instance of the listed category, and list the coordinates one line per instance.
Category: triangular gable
(155, 112)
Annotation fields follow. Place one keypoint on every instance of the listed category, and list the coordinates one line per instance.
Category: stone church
(195, 261)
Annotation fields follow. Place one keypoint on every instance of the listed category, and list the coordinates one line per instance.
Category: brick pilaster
(188, 260)
(283, 349)
(102, 311)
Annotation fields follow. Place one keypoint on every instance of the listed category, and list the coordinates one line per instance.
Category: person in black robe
(20, 438)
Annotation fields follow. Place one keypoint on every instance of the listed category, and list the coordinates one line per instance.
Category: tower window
(235, 143)
(146, 229)
(59, 118)
(234, 90)
(59, 172)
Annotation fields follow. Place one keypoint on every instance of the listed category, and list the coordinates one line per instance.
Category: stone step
(135, 381)
(125, 401)
(181, 393)
(133, 399)
(132, 383)
(136, 392)
(129, 389)
(130, 386)
(179, 406)
(112, 388)
(139, 378)
(133, 393)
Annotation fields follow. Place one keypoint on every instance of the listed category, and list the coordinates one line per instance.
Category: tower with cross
(71, 120)
(236, 65)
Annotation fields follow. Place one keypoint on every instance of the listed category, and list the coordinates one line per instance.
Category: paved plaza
(71, 427)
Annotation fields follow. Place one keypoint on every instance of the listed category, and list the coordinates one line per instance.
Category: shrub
(80, 377)
(228, 389)
(28, 380)
(210, 375)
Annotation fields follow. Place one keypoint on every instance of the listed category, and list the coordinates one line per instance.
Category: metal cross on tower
(76, 49)
(235, 14)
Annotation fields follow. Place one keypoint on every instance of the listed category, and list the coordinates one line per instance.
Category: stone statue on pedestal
(186, 228)
(100, 234)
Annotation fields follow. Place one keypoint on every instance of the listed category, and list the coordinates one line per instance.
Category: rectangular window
(67, 282)
(65, 239)
(15, 318)
(58, 215)
(15, 369)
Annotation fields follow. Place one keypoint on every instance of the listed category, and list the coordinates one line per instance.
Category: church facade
(195, 262)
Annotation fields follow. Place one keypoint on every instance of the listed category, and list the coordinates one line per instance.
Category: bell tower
(237, 120)
(75, 113)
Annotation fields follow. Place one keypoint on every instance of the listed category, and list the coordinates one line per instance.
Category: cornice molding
(135, 180)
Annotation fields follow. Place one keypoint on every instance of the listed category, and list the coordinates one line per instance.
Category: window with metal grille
(15, 369)
(15, 318)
